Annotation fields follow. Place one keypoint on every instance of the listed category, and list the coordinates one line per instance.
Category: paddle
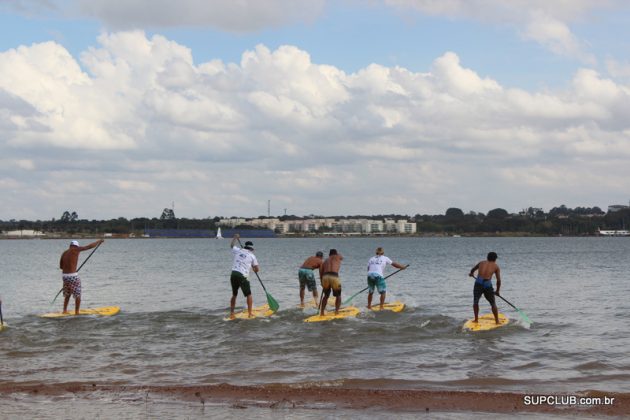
(521, 313)
(273, 304)
(78, 269)
(1, 319)
(363, 290)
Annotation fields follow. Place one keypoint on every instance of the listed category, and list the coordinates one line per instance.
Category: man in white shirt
(375, 279)
(244, 259)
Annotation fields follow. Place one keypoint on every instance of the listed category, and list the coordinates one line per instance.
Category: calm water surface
(174, 294)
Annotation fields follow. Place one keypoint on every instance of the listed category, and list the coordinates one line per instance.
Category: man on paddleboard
(375, 279)
(483, 284)
(306, 276)
(244, 259)
(329, 276)
(70, 276)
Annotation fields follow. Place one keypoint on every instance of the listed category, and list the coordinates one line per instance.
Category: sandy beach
(303, 396)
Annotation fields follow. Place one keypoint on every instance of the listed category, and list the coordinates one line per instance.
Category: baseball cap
(249, 245)
(74, 243)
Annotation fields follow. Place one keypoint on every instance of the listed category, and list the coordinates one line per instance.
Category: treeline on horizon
(558, 221)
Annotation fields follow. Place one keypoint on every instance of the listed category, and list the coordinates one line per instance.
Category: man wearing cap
(375, 279)
(71, 281)
(329, 275)
(244, 259)
(306, 276)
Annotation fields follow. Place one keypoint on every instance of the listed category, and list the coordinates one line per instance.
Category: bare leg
(495, 312)
(249, 305)
(77, 305)
(302, 296)
(315, 295)
(337, 304)
(370, 300)
(476, 310)
(65, 304)
(325, 294)
(382, 299)
(232, 304)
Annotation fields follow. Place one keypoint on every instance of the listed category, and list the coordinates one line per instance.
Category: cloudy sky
(334, 107)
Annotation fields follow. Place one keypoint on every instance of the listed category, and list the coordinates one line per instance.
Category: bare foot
(232, 316)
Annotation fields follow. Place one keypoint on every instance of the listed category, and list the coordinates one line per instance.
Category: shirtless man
(244, 259)
(329, 275)
(307, 279)
(483, 284)
(71, 280)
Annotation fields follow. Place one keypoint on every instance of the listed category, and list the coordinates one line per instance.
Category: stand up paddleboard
(258, 312)
(102, 311)
(392, 306)
(347, 312)
(311, 304)
(486, 322)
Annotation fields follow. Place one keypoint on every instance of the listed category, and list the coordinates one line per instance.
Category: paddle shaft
(78, 269)
(363, 290)
(1, 319)
(506, 301)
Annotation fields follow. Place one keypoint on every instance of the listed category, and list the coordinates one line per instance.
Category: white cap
(74, 243)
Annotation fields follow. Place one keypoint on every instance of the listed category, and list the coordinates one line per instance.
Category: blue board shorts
(483, 287)
(376, 280)
(307, 279)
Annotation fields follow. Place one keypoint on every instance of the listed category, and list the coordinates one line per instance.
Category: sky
(329, 107)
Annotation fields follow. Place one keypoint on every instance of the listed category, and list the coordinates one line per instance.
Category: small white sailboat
(219, 234)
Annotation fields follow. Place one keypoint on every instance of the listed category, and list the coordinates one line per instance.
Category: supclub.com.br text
(567, 400)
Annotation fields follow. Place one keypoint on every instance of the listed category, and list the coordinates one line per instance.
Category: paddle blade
(524, 317)
(273, 304)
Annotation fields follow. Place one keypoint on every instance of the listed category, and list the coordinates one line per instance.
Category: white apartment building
(345, 226)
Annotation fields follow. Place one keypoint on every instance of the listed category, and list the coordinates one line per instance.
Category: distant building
(24, 233)
(616, 207)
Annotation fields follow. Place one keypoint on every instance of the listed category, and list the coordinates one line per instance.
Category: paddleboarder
(70, 276)
(483, 284)
(244, 260)
(329, 276)
(375, 279)
(306, 276)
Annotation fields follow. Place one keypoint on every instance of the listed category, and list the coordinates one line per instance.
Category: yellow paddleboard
(392, 306)
(4, 326)
(486, 322)
(311, 304)
(103, 311)
(257, 312)
(350, 311)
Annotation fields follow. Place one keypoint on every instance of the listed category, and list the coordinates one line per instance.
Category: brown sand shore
(309, 396)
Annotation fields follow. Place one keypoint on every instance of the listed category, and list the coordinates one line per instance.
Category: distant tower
(268, 208)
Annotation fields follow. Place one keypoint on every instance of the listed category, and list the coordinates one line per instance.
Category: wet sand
(328, 397)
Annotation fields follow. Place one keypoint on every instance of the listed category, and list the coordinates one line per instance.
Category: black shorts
(239, 281)
(487, 292)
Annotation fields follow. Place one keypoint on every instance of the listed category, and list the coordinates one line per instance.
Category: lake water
(174, 294)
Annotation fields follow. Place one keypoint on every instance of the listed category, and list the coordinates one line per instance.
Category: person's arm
(61, 261)
(256, 268)
(92, 245)
(472, 270)
(498, 274)
(398, 265)
(234, 240)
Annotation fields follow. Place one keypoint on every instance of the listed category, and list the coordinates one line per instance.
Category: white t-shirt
(377, 264)
(243, 260)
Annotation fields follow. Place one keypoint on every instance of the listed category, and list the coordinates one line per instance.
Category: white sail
(219, 234)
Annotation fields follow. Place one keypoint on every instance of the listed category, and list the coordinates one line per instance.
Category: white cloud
(545, 22)
(135, 124)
